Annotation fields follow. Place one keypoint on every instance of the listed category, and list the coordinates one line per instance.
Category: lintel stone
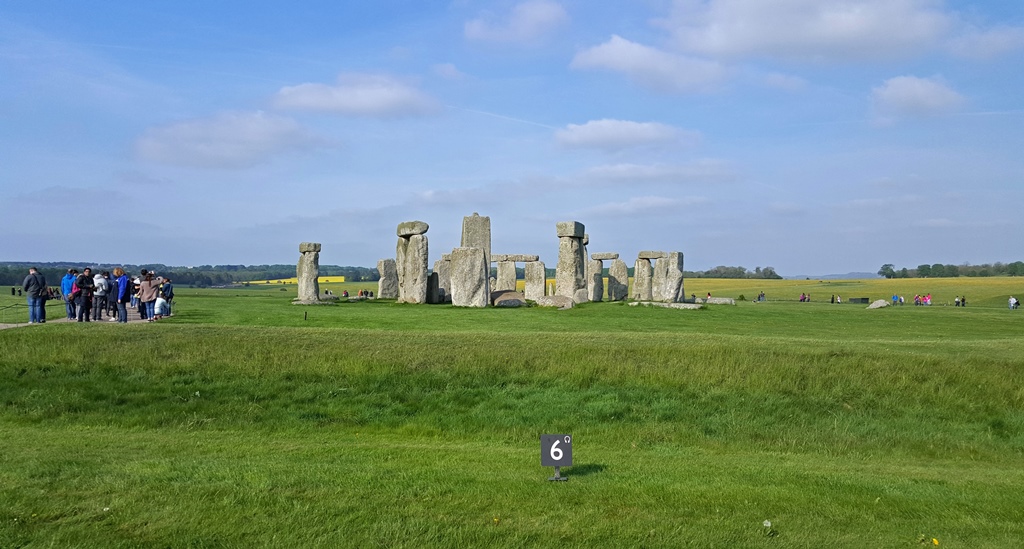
(410, 228)
(647, 254)
(573, 229)
(603, 256)
(309, 247)
(516, 258)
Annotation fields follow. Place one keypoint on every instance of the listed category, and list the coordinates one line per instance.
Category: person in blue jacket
(65, 288)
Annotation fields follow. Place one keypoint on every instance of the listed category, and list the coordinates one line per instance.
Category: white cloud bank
(528, 22)
(913, 97)
(230, 140)
(651, 67)
(358, 94)
(701, 171)
(808, 29)
(612, 134)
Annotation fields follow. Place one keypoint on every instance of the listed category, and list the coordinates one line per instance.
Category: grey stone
(570, 273)
(508, 298)
(572, 229)
(476, 233)
(535, 278)
(581, 296)
(878, 304)
(506, 279)
(411, 261)
(443, 268)
(684, 306)
(559, 301)
(719, 301)
(518, 258)
(469, 278)
(309, 247)
(618, 280)
(410, 228)
(647, 254)
(604, 256)
(433, 292)
(307, 271)
(586, 239)
(667, 284)
(642, 280)
(595, 280)
(387, 286)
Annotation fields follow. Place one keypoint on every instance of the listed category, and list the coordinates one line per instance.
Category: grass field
(247, 421)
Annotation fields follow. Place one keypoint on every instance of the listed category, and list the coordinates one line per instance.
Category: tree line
(202, 276)
(938, 270)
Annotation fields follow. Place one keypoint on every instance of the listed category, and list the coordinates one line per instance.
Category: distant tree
(952, 271)
(1015, 269)
(904, 273)
(888, 271)
(938, 270)
(924, 271)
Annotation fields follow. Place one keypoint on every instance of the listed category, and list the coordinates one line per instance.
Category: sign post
(556, 451)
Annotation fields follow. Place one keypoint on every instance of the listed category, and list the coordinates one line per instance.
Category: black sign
(555, 450)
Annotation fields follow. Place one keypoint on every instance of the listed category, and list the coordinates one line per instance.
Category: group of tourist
(960, 301)
(803, 297)
(87, 296)
(1014, 303)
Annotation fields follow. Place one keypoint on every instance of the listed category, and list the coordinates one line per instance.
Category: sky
(813, 136)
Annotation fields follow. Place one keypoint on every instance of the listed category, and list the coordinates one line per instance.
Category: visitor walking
(148, 289)
(124, 294)
(67, 287)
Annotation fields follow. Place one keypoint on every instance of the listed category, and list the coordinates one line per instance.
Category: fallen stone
(508, 298)
(683, 306)
(719, 301)
(581, 296)
(651, 255)
(559, 301)
(604, 256)
(878, 304)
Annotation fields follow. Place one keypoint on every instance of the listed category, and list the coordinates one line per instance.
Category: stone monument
(570, 273)
(411, 262)
(387, 286)
(308, 272)
(469, 280)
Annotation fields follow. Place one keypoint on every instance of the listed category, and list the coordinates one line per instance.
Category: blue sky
(815, 136)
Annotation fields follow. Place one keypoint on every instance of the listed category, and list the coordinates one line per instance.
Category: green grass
(245, 420)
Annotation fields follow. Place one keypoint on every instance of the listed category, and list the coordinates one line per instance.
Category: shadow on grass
(585, 469)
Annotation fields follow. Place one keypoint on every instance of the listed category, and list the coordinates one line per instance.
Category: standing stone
(433, 292)
(469, 278)
(476, 233)
(411, 261)
(570, 273)
(387, 286)
(535, 277)
(506, 276)
(667, 285)
(642, 280)
(595, 280)
(443, 268)
(618, 280)
(308, 272)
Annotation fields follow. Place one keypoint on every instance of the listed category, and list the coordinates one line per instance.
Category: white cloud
(809, 29)
(358, 95)
(651, 67)
(697, 172)
(619, 134)
(645, 205)
(229, 140)
(911, 96)
(984, 44)
(528, 22)
(449, 71)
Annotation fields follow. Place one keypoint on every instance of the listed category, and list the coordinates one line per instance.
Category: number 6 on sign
(555, 450)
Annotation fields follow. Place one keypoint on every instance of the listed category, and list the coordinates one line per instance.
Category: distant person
(36, 293)
(963, 301)
(956, 302)
(161, 308)
(66, 289)
(833, 299)
(85, 288)
(148, 290)
(167, 290)
(896, 299)
(112, 295)
(1012, 302)
(125, 291)
(839, 298)
(99, 296)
